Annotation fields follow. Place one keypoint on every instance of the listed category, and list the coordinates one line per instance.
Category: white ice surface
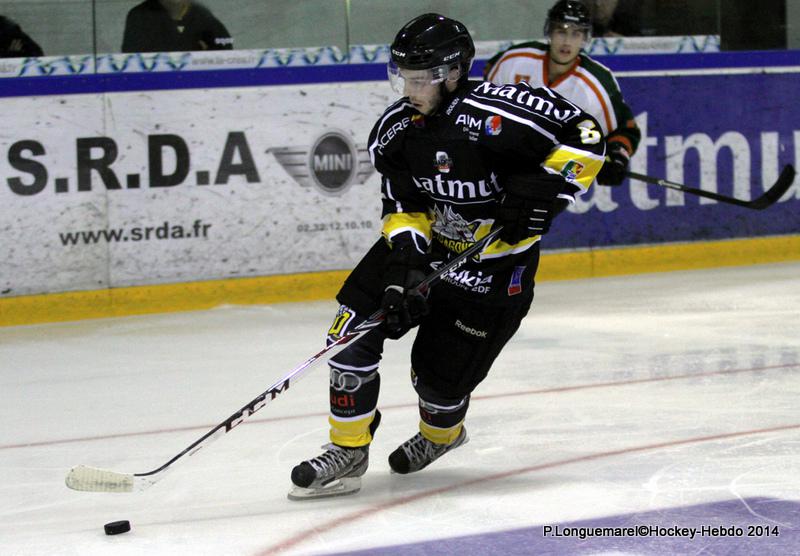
(705, 364)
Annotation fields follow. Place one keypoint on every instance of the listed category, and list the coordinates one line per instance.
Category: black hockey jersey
(443, 175)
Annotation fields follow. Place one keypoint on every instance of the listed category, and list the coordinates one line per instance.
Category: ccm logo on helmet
(398, 53)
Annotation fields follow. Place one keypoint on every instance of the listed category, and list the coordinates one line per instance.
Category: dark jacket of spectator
(150, 28)
(613, 18)
(14, 43)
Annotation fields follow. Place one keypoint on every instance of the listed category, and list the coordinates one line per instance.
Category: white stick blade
(91, 479)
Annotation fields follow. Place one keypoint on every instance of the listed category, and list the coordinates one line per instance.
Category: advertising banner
(118, 189)
(729, 133)
(144, 188)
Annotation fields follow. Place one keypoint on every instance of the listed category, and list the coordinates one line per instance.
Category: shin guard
(354, 385)
(441, 419)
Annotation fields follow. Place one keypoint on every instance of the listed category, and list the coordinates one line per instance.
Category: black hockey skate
(335, 472)
(418, 452)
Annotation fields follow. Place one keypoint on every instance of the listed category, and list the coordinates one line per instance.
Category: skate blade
(341, 487)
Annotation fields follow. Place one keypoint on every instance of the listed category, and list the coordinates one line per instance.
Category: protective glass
(399, 77)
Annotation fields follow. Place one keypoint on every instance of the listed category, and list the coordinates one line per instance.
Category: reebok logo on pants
(477, 333)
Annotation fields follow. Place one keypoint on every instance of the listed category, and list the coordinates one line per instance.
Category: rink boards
(134, 192)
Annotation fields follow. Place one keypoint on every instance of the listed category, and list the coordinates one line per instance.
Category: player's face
(424, 94)
(566, 42)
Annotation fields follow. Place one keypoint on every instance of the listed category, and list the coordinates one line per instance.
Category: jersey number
(339, 322)
(589, 135)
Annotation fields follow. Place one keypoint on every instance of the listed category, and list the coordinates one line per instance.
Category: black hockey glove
(613, 170)
(405, 269)
(529, 205)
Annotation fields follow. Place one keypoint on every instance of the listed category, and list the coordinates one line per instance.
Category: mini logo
(332, 164)
(332, 161)
(494, 125)
(515, 284)
(572, 169)
(443, 162)
(418, 120)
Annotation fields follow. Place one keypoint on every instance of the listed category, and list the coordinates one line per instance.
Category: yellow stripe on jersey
(500, 248)
(494, 250)
(415, 222)
(351, 434)
(578, 167)
(440, 436)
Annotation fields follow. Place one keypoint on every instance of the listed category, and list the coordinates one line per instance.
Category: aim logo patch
(572, 170)
(494, 125)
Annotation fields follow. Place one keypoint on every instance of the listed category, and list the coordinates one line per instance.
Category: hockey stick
(769, 197)
(92, 479)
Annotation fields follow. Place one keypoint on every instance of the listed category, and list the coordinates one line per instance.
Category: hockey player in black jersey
(457, 158)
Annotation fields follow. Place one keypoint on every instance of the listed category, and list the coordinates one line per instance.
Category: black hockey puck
(117, 527)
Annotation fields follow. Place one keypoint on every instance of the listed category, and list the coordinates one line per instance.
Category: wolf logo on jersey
(451, 225)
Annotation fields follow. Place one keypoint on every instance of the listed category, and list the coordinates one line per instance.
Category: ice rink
(670, 401)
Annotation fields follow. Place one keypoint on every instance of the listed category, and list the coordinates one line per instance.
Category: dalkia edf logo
(331, 163)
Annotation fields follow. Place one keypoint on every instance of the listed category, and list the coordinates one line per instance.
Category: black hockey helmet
(433, 41)
(569, 12)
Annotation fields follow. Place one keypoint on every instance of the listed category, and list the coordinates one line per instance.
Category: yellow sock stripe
(351, 433)
(193, 296)
(440, 436)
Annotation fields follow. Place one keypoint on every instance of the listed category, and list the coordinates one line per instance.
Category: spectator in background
(616, 18)
(14, 42)
(173, 26)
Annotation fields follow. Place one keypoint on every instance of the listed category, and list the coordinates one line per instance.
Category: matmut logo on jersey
(458, 190)
(332, 163)
(525, 97)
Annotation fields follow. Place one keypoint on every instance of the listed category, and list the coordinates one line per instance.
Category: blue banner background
(682, 105)
(712, 103)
